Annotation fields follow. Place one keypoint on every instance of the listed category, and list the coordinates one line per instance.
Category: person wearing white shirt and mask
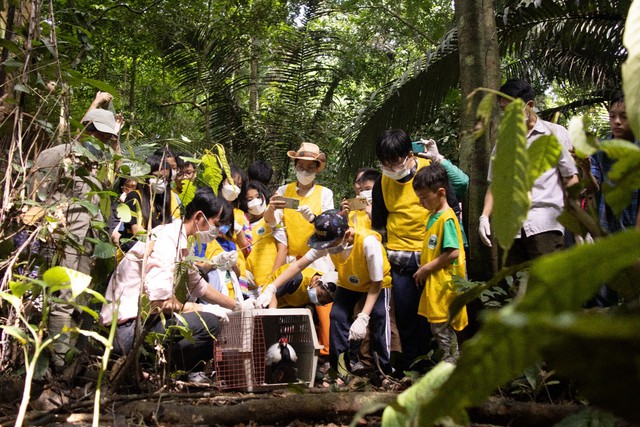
(169, 247)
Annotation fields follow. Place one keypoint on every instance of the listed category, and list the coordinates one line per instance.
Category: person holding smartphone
(297, 223)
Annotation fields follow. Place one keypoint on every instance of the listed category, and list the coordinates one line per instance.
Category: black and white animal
(281, 362)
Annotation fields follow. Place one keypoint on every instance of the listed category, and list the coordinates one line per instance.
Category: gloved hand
(237, 227)
(265, 297)
(432, 150)
(231, 259)
(225, 260)
(219, 311)
(484, 229)
(306, 213)
(359, 328)
(248, 304)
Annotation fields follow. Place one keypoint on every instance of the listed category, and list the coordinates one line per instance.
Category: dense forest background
(261, 76)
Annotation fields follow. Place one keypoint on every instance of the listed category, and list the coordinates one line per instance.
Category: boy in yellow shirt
(442, 257)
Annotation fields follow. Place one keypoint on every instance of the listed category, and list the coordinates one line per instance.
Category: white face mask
(209, 235)
(158, 185)
(313, 295)
(366, 194)
(256, 206)
(304, 177)
(396, 175)
(230, 192)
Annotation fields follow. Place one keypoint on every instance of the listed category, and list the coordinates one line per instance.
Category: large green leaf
(123, 212)
(584, 145)
(631, 68)
(600, 352)
(515, 336)
(510, 182)
(212, 173)
(565, 280)
(404, 410)
(623, 174)
(61, 277)
(544, 154)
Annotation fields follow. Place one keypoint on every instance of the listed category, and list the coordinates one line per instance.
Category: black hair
(518, 88)
(262, 190)
(260, 171)
(368, 174)
(616, 97)
(431, 177)
(161, 208)
(181, 162)
(227, 217)
(205, 200)
(165, 152)
(392, 145)
(158, 162)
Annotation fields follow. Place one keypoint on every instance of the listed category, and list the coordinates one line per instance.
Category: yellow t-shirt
(263, 253)
(297, 228)
(405, 224)
(300, 297)
(439, 292)
(353, 272)
(359, 219)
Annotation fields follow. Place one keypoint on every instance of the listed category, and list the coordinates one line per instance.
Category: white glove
(306, 213)
(484, 229)
(432, 150)
(359, 328)
(231, 259)
(219, 311)
(225, 260)
(237, 227)
(265, 297)
(248, 304)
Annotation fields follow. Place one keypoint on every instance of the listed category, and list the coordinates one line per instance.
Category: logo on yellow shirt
(433, 241)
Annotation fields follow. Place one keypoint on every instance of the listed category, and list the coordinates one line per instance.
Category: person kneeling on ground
(169, 245)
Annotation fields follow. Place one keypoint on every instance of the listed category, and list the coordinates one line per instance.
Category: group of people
(379, 270)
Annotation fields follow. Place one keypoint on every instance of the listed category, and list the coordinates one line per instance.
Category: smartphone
(417, 147)
(357, 204)
(291, 203)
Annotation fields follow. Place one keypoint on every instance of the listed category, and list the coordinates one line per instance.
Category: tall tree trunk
(479, 67)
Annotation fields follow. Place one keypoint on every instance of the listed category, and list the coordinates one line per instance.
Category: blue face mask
(313, 295)
(224, 229)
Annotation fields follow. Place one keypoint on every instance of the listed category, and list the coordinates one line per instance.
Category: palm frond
(402, 103)
(563, 40)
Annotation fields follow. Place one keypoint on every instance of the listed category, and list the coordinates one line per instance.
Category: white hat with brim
(103, 120)
(309, 151)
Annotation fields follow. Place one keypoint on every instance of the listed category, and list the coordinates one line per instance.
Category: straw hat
(309, 151)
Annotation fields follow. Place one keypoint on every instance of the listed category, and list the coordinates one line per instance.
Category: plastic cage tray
(241, 348)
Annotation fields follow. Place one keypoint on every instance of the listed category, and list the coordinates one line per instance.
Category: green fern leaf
(212, 174)
(623, 175)
(510, 183)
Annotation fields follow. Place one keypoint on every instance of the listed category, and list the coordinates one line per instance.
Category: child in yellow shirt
(442, 257)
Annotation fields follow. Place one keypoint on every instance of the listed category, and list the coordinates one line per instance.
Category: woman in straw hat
(298, 223)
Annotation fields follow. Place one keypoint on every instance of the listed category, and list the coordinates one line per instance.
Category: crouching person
(308, 287)
(169, 245)
(362, 268)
